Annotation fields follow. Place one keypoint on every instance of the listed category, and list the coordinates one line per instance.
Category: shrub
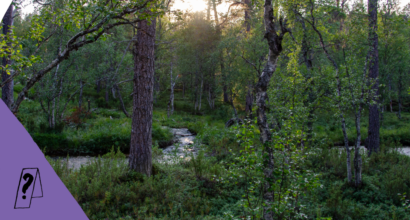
(109, 113)
(52, 142)
(78, 117)
(163, 136)
(18, 88)
(101, 103)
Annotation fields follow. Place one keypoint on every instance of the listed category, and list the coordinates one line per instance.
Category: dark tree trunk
(399, 90)
(390, 99)
(249, 100)
(183, 90)
(98, 86)
(311, 96)
(374, 119)
(208, 13)
(7, 90)
(226, 97)
(80, 98)
(247, 15)
(141, 140)
(215, 14)
(275, 48)
(121, 101)
(107, 93)
(233, 106)
(98, 27)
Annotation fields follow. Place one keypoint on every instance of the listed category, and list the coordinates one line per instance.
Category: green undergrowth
(106, 189)
(106, 128)
(97, 137)
(385, 176)
(392, 128)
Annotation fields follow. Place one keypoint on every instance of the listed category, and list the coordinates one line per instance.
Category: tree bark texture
(374, 119)
(248, 15)
(7, 90)
(140, 158)
(170, 110)
(80, 97)
(249, 100)
(275, 48)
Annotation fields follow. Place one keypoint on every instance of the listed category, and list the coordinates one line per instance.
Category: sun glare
(197, 5)
(194, 5)
(183, 5)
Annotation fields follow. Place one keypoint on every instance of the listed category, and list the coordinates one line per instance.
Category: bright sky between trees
(193, 5)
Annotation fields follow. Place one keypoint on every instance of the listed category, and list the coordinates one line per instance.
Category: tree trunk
(215, 14)
(113, 92)
(170, 110)
(399, 89)
(311, 95)
(53, 111)
(249, 100)
(98, 86)
(208, 13)
(200, 94)
(80, 98)
(390, 99)
(107, 93)
(121, 101)
(275, 48)
(225, 91)
(233, 107)
(7, 90)
(183, 90)
(247, 15)
(357, 156)
(140, 158)
(374, 119)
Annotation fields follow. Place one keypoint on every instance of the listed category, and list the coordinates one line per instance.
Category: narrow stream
(401, 150)
(181, 149)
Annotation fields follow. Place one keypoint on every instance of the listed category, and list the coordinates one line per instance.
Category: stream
(181, 149)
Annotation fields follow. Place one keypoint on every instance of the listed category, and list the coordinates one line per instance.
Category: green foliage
(106, 189)
(98, 138)
(78, 117)
(383, 180)
(163, 136)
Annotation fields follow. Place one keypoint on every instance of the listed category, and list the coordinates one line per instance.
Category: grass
(328, 128)
(106, 189)
(384, 177)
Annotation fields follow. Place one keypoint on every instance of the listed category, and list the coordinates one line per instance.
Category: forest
(241, 109)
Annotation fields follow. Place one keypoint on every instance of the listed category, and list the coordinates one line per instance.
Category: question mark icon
(28, 183)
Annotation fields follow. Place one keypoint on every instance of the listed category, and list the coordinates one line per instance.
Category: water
(182, 149)
(402, 150)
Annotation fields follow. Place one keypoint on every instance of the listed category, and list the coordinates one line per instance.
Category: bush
(51, 142)
(18, 88)
(109, 113)
(163, 136)
(78, 117)
(101, 103)
(106, 189)
(384, 176)
(99, 138)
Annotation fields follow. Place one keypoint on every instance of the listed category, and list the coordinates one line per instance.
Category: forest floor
(189, 189)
